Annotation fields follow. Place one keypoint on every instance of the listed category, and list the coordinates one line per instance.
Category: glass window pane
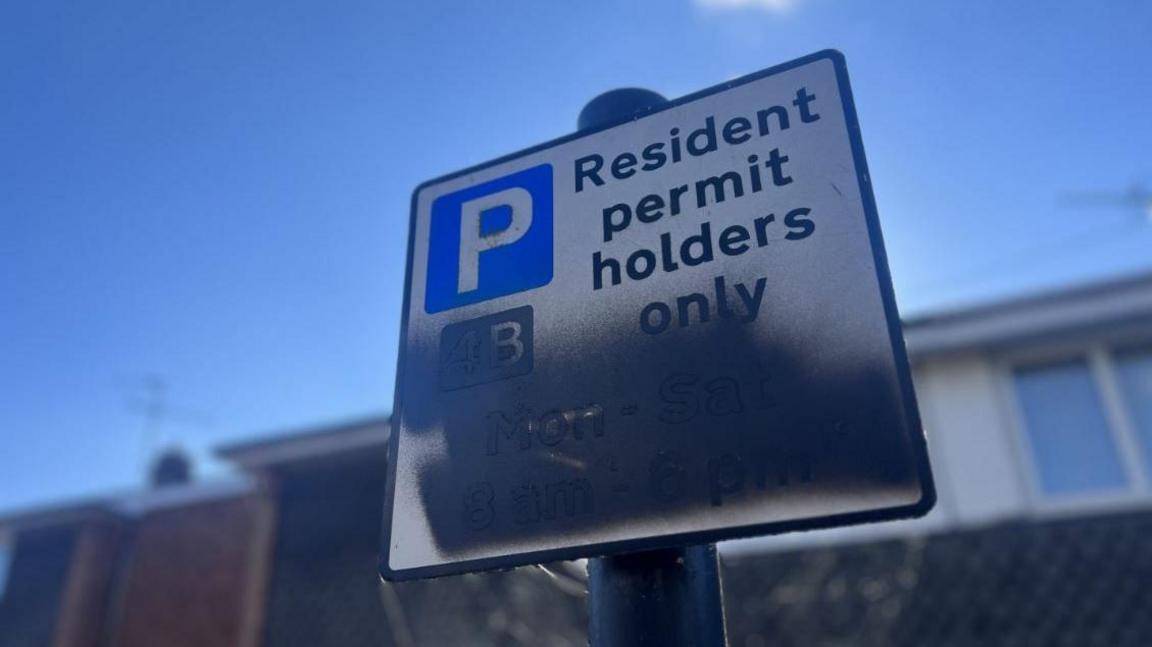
(1134, 370)
(1072, 446)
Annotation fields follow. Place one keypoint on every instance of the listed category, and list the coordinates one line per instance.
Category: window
(1072, 445)
(1088, 421)
(1134, 375)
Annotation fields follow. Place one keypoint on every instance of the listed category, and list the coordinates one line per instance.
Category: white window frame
(1098, 353)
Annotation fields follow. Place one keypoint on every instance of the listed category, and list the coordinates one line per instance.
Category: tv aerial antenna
(149, 400)
(1137, 198)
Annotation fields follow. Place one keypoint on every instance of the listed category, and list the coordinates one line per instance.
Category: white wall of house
(975, 454)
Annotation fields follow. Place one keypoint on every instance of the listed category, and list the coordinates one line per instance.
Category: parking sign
(674, 329)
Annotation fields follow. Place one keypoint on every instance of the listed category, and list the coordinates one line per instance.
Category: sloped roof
(366, 435)
(1076, 581)
(1113, 302)
(125, 505)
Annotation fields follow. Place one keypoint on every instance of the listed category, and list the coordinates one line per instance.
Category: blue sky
(217, 193)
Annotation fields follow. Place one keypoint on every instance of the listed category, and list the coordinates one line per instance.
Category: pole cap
(618, 104)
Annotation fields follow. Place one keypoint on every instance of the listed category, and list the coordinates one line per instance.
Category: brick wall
(187, 577)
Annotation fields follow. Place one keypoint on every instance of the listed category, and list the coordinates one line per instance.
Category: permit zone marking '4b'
(675, 329)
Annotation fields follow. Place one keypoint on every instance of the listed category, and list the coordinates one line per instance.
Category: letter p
(474, 241)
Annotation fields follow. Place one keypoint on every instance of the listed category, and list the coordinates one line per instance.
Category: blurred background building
(1039, 416)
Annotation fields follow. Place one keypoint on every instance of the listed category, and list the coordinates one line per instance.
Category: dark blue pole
(658, 598)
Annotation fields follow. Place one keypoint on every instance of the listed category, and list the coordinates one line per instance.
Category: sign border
(895, 333)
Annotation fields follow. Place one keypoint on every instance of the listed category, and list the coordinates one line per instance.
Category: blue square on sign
(490, 240)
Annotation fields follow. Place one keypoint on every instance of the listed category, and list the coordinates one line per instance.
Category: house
(1039, 417)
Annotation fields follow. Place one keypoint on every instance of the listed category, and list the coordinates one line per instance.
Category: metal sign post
(657, 598)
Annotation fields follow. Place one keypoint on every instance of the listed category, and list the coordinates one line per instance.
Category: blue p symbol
(490, 240)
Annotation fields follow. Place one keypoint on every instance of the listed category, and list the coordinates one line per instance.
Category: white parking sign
(675, 329)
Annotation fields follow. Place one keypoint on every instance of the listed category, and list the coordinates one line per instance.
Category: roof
(127, 505)
(364, 437)
(316, 443)
(1081, 308)
(61, 514)
(1080, 581)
